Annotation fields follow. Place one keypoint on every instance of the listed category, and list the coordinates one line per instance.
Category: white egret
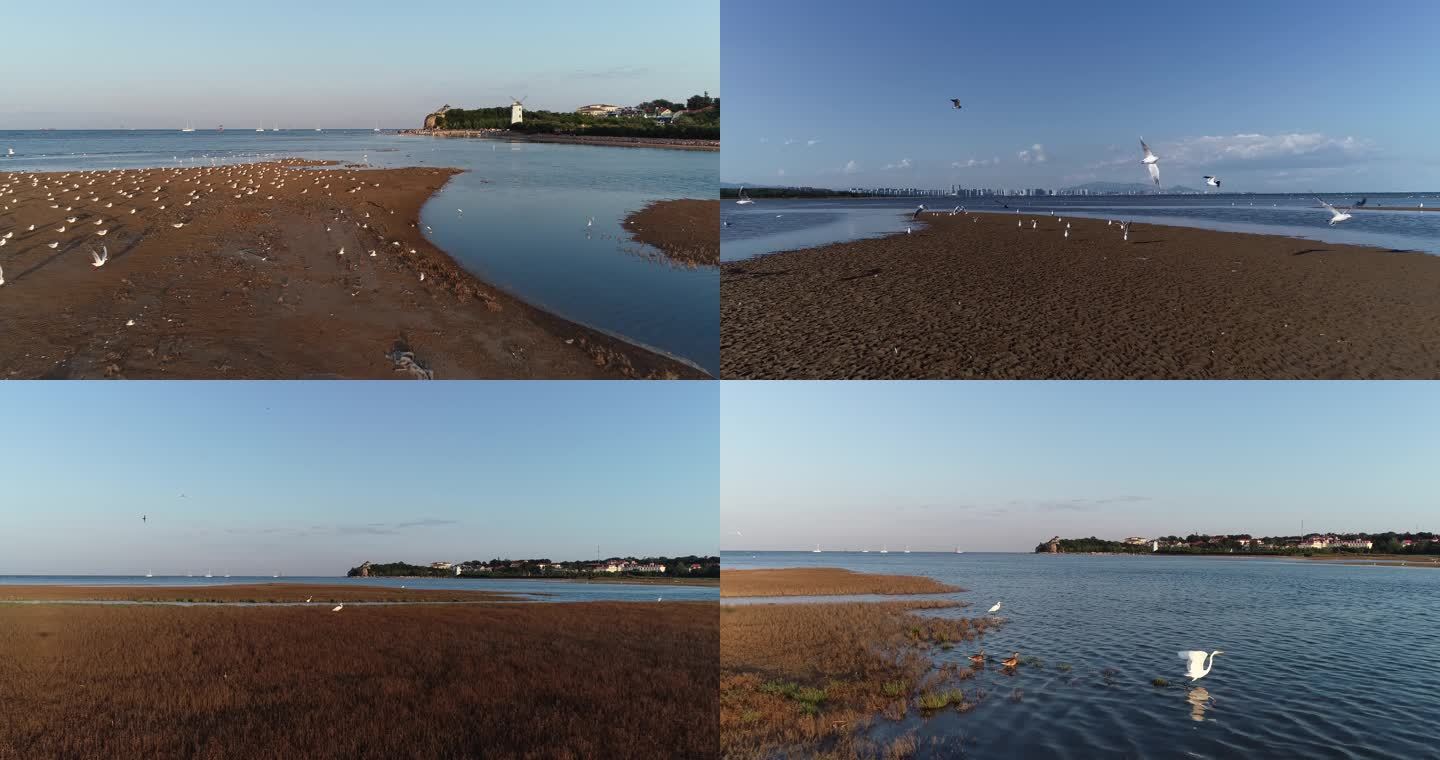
(1197, 666)
(995, 609)
(338, 607)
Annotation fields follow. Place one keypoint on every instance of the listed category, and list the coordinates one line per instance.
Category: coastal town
(653, 567)
(693, 123)
(1421, 542)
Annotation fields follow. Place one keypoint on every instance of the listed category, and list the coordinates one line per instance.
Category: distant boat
(377, 126)
(221, 128)
(317, 129)
(907, 548)
(261, 128)
(957, 550)
(816, 550)
(149, 574)
(883, 549)
(275, 128)
(208, 575)
(188, 127)
(864, 551)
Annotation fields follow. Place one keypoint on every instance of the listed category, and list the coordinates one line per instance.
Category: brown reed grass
(824, 581)
(594, 680)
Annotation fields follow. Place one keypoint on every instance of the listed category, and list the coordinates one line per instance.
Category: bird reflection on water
(1199, 699)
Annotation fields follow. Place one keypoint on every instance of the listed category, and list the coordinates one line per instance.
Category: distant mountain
(1127, 187)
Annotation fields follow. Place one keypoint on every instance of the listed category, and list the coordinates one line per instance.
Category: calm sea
(787, 225)
(543, 591)
(1321, 660)
(523, 224)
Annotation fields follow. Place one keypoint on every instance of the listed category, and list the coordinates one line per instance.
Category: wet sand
(254, 287)
(824, 581)
(971, 296)
(687, 231)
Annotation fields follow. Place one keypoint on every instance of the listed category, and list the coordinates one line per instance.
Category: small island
(1313, 545)
(658, 123)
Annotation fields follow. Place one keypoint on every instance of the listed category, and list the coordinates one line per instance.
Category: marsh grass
(252, 593)
(806, 679)
(592, 680)
(824, 581)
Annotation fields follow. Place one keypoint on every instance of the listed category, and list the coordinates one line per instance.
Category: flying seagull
(100, 258)
(144, 518)
(919, 211)
(955, 103)
(1212, 181)
(1336, 215)
(1361, 203)
(1151, 161)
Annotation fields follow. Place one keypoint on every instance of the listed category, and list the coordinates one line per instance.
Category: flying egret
(1336, 215)
(308, 599)
(995, 609)
(1197, 667)
(1151, 161)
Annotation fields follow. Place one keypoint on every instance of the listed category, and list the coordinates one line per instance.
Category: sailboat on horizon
(884, 549)
(957, 550)
(816, 550)
(907, 548)
(149, 573)
(189, 127)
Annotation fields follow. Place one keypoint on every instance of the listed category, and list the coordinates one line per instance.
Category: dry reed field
(824, 581)
(258, 593)
(806, 679)
(594, 680)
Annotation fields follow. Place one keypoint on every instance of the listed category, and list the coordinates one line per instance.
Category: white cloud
(811, 143)
(972, 162)
(904, 164)
(851, 167)
(1036, 154)
(1313, 148)
(790, 141)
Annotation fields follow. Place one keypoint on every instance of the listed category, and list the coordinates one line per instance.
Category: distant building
(1358, 543)
(650, 568)
(598, 109)
(1137, 541)
(517, 111)
(440, 565)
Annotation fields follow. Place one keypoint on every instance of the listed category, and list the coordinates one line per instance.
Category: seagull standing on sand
(1336, 215)
(1151, 161)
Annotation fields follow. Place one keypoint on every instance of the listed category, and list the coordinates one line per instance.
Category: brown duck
(1012, 661)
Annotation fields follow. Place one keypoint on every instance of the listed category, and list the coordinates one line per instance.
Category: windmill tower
(517, 109)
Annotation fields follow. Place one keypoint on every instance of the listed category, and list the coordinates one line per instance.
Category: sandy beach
(253, 285)
(259, 593)
(972, 296)
(591, 680)
(687, 231)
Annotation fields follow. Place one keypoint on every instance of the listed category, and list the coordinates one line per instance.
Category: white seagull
(1197, 667)
(1151, 161)
(1336, 215)
(2, 275)
(100, 258)
(338, 607)
(1212, 181)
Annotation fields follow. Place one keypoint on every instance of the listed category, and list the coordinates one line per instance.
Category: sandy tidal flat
(973, 296)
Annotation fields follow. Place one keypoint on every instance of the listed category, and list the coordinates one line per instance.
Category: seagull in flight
(1151, 161)
(1361, 203)
(919, 211)
(1212, 181)
(955, 103)
(100, 258)
(1336, 215)
(144, 518)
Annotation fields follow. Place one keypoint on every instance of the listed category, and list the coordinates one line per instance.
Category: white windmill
(517, 109)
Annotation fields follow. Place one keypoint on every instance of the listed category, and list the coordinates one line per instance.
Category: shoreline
(687, 231)
(599, 140)
(973, 297)
(662, 581)
(254, 288)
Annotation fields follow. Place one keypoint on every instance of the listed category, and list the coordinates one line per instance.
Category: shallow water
(523, 227)
(783, 225)
(545, 591)
(1321, 660)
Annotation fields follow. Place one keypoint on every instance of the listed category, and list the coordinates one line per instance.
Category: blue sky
(1003, 466)
(327, 63)
(313, 478)
(1271, 97)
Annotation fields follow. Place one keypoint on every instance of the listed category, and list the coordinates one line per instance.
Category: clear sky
(1004, 466)
(93, 64)
(314, 478)
(1273, 96)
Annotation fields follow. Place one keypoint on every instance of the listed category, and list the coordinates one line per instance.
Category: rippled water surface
(524, 221)
(1321, 660)
(544, 591)
(769, 226)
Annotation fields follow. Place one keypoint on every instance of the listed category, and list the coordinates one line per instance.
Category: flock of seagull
(82, 201)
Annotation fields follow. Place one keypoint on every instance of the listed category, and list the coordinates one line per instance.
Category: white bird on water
(1151, 161)
(2, 275)
(338, 607)
(1197, 666)
(1336, 215)
(995, 609)
(100, 259)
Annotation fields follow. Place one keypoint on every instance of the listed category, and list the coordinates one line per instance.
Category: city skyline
(379, 66)
(1004, 466)
(313, 479)
(837, 95)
